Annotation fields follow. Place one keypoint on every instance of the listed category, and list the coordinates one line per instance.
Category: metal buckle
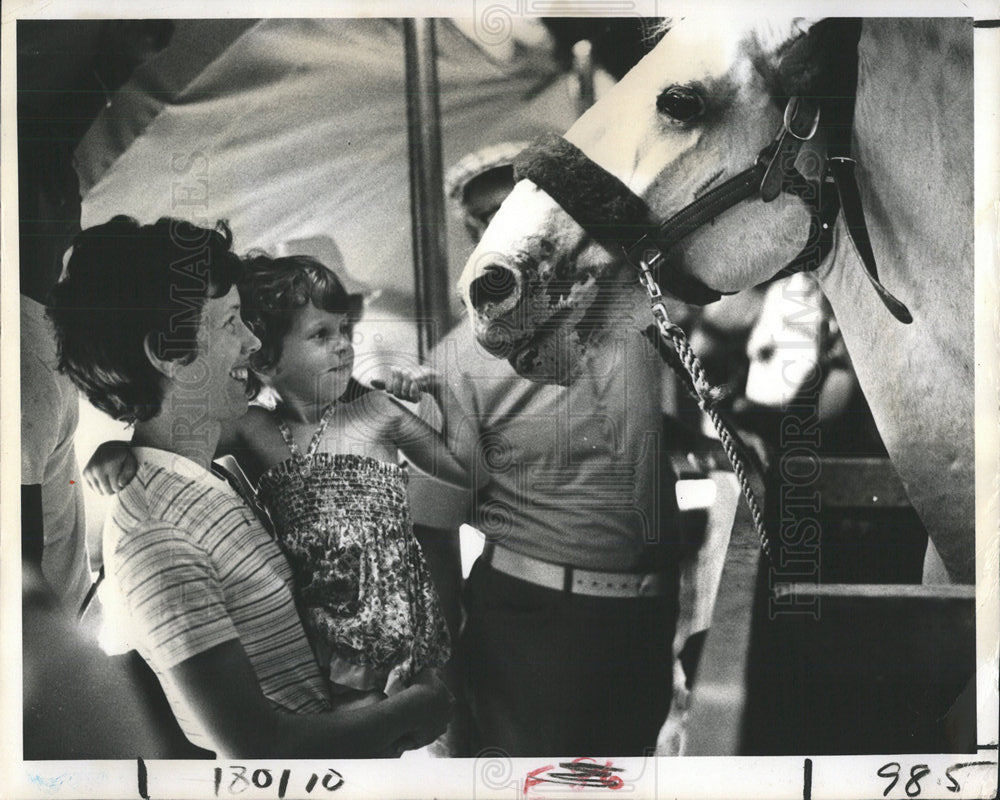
(786, 145)
(792, 109)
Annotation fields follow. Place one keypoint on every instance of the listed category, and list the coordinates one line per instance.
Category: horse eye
(680, 102)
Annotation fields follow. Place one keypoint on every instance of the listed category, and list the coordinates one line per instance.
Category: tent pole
(423, 115)
(583, 71)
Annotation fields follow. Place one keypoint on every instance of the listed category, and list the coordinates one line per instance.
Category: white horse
(697, 114)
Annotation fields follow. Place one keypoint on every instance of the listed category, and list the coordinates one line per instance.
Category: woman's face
(317, 357)
(213, 384)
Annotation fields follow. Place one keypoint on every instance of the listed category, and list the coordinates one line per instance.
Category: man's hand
(111, 468)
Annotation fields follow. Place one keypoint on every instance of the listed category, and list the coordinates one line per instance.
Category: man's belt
(574, 580)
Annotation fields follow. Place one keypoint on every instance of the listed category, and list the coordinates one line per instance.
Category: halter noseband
(615, 216)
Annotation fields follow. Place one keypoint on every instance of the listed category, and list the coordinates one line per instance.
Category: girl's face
(317, 357)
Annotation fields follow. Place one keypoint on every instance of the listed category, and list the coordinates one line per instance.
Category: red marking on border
(579, 776)
(530, 779)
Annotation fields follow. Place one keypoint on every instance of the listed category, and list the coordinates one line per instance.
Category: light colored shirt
(192, 568)
(49, 414)
(572, 473)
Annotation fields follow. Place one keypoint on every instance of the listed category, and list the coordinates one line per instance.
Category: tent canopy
(296, 129)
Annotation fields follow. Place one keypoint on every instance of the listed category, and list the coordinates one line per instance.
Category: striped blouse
(192, 568)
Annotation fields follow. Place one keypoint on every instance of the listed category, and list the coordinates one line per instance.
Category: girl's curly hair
(273, 290)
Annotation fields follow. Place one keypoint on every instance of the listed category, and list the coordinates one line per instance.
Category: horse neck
(913, 126)
(913, 145)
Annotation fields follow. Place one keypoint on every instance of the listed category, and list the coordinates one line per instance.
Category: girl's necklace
(317, 436)
(321, 429)
(324, 419)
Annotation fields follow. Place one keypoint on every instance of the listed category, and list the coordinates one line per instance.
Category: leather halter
(615, 216)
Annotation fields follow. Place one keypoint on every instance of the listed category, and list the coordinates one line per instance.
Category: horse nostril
(495, 285)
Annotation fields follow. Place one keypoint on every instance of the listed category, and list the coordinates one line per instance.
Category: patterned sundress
(364, 591)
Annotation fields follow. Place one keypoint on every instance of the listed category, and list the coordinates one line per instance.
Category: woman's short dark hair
(126, 285)
(272, 290)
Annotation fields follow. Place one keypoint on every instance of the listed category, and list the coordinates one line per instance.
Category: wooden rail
(718, 697)
(793, 666)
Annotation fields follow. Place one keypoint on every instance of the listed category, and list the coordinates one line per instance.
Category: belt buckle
(649, 585)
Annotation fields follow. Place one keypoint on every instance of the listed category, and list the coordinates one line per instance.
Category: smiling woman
(212, 383)
(149, 325)
(126, 270)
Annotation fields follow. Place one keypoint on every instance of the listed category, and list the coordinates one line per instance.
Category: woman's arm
(181, 616)
(222, 688)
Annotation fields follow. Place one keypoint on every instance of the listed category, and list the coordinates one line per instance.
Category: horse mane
(822, 64)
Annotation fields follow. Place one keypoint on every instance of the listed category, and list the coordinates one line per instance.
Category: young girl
(325, 464)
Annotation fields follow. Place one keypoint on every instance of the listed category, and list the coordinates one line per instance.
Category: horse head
(700, 108)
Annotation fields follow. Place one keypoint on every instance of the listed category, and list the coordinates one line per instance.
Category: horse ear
(823, 63)
(774, 36)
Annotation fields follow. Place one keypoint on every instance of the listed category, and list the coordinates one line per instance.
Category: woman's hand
(111, 468)
(358, 699)
(432, 708)
(409, 383)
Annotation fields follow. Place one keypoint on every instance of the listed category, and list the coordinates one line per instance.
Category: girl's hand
(111, 468)
(409, 384)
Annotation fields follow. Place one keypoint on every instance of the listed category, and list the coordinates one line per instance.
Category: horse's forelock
(658, 29)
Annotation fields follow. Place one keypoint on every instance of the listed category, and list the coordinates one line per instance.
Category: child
(325, 463)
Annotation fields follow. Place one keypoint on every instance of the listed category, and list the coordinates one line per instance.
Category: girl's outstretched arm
(445, 454)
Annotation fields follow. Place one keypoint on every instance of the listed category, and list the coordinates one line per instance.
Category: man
(148, 324)
(571, 609)
(66, 72)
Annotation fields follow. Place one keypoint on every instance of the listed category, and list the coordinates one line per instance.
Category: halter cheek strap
(616, 217)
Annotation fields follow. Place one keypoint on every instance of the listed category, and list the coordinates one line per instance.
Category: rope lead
(683, 360)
